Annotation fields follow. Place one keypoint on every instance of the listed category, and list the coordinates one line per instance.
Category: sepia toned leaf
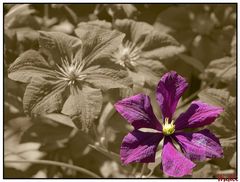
(121, 10)
(226, 124)
(18, 10)
(215, 68)
(111, 155)
(60, 118)
(48, 133)
(176, 17)
(14, 150)
(195, 63)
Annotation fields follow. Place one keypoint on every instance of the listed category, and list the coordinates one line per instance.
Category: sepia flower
(70, 78)
(141, 51)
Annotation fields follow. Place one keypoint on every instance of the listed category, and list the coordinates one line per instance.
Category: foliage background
(208, 32)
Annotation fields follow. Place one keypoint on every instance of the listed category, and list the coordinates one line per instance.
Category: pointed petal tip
(169, 90)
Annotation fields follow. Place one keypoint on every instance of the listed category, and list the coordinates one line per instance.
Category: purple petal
(170, 88)
(175, 163)
(199, 145)
(198, 115)
(138, 111)
(139, 146)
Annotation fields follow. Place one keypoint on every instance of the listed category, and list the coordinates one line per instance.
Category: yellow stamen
(168, 128)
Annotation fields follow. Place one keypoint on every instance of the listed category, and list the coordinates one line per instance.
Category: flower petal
(27, 65)
(84, 106)
(139, 146)
(44, 95)
(198, 115)
(106, 78)
(98, 42)
(199, 145)
(157, 39)
(138, 111)
(59, 45)
(173, 162)
(135, 31)
(170, 88)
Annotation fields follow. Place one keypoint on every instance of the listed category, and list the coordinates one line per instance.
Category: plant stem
(150, 174)
(135, 169)
(55, 163)
(45, 17)
(208, 84)
(144, 166)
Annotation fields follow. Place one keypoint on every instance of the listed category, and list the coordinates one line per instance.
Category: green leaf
(98, 42)
(225, 14)
(163, 52)
(28, 151)
(50, 134)
(195, 63)
(157, 40)
(150, 71)
(95, 23)
(225, 126)
(27, 65)
(135, 31)
(44, 96)
(205, 49)
(14, 150)
(107, 153)
(175, 17)
(84, 106)
(60, 118)
(19, 10)
(121, 10)
(59, 45)
(215, 68)
(106, 78)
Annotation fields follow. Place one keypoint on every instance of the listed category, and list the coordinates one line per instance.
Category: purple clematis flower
(140, 146)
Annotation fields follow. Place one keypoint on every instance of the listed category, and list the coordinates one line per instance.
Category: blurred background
(208, 32)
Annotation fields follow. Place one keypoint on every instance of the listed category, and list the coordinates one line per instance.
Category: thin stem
(135, 169)
(208, 84)
(45, 17)
(150, 174)
(71, 13)
(55, 163)
(144, 166)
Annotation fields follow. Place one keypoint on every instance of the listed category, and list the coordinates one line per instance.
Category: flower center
(127, 54)
(70, 72)
(168, 128)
